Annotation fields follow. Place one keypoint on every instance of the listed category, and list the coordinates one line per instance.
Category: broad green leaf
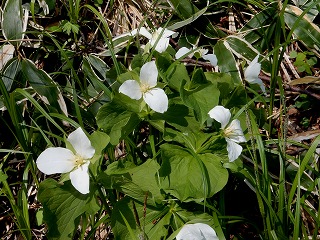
(99, 83)
(99, 141)
(305, 4)
(136, 182)
(62, 206)
(244, 50)
(116, 121)
(41, 82)
(256, 28)
(122, 215)
(224, 83)
(226, 61)
(10, 73)
(306, 31)
(187, 11)
(201, 99)
(12, 22)
(191, 177)
(184, 8)
(176, 74)
(154, 224)
(187, 21)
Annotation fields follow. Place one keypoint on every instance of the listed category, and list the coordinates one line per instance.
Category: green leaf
(138, 181)
(69, 27)
(226, 61)
(187, 21)
(191, 177)
(154, 224)
(176, 74)
(12, 24)
(10, 73)
(202, 99)
(244, 50)
(62, 206)
(41, 82)
(188, 12)
(307, 32)
(224, 83)
(256, 28)
(116, 121)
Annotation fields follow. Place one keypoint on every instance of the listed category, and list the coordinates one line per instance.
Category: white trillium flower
(160, 38)
(212, 58)
(62, 160)
(232, 132)
(251, 74)
(197, 231)
(155, 98)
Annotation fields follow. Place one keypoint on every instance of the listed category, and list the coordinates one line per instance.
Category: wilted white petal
(197, 231)
(234, 149)
(221, 115)
(80, 178)
(212, 58)
(81, 144)
(144, 32)
(131, 88)
(157, 100)
(162, 45)
(235, 131)
(56, 160)
(149, 74)
(182, 52)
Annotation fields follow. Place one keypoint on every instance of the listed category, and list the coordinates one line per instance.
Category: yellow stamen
(79, 161)
(144, 87)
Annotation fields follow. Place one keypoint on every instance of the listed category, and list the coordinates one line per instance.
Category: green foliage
(302, 63)
(62, 207)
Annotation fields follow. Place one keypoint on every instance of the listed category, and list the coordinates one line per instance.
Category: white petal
(197, 231)
(81, 143)
(80, 178)
(260, 83)
(221, 115)
(56, 160)
(144, 32)
(236, 131)
(131, 88)
(157, 100)
(253, 70)
(183, 52)
(162, 45)
(212, 58)
(234, 150)
(149, 74)
(164, 33)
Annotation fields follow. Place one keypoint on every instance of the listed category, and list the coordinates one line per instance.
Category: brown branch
(293, 88)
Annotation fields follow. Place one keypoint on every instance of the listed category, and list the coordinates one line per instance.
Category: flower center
(155, 35)
(228, 132)
(78, 161)
(144, 87)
